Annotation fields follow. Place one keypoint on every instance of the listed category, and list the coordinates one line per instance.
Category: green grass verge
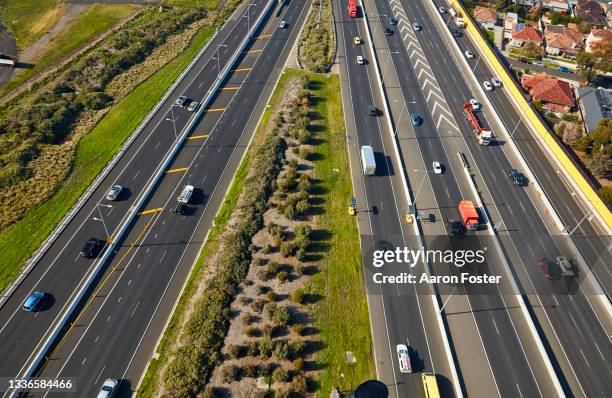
(93, 152)
(208, 4)
(342, 315)
(29, 19)
(95, 20)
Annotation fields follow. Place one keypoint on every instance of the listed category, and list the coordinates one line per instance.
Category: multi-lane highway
(118, 328)
(516, 207)
(405, 317)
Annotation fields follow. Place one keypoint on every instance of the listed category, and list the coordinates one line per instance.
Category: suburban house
(510, 20)
(560, 6)
(528, 3)
(595, 37)
(485, 16)
(595, 104)
(563, 40)
(523, 33)
(590, 11)
(555, 95)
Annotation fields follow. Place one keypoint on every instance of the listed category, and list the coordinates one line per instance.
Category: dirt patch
(48, 20)
(72, 11)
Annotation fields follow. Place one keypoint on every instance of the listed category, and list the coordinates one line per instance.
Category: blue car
(416, 119)
(34, 301)
(564, 69)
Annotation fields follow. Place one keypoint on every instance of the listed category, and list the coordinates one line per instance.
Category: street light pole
(101, 219)
(173, 121)
(218, 64)
(587, 215)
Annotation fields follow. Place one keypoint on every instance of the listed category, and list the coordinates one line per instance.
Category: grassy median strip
(93, 152)
(343, 315)
(93, 21)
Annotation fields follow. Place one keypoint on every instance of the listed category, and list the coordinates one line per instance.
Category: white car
(496, 82)
(416, 26)
(475, 104)
(114, 192)
(469, 54)
(282, 24)
(109, 388)
(437, 167)
(193, 106)
(487, 85)
(360, 60)
(403, 357)
(442, 10)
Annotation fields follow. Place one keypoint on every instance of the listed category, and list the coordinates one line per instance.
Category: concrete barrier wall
(575, 176)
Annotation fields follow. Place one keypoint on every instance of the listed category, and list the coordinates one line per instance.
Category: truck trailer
(469, 215)
(367, 160)
(482, 134)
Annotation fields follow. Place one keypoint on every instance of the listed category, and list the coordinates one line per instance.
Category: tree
(595, 62)
(532, 50)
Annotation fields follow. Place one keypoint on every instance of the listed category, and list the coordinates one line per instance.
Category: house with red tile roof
(523, 33)
(563, 40)
(555, 95)
(595, 37)
(485, 16)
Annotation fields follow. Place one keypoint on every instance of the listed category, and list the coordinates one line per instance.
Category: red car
(549, 268)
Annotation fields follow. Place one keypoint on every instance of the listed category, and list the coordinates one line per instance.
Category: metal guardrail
(31, 262)
(132, 213)
(416, 224)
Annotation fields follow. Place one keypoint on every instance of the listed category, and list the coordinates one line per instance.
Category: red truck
(469, 215)
(483, 134)
(352, 8)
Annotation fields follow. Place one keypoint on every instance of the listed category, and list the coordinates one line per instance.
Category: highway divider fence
(133, 212)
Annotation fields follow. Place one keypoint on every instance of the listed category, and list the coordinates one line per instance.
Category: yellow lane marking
(263, 36)
(230, 88)
(195, 137)
(157, 210)
(215, 110)
(241, 70)
(253, 51)
(176, 170)
(99, 289)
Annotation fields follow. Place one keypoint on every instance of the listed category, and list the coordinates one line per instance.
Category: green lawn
(93, 21)
(209, 4)
(21, 239)
(342, 315)
(30, 19)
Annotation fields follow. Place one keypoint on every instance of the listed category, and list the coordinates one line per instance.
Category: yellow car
(357, 40)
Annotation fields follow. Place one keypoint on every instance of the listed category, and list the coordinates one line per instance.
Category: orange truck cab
(469, 215)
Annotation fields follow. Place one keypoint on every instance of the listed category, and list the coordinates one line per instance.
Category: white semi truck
(367, 160)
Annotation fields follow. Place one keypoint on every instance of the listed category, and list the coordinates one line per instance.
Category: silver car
(114, 192)
(193, 106)
(109, 388)
(566, 266)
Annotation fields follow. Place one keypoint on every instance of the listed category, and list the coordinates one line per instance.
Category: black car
(518, 178)
(387, 31)
(455, 32)
(373, 111)
(392, 21)
(455, 228)
(90, 248)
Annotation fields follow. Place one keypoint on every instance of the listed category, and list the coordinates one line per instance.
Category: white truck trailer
(367, 160)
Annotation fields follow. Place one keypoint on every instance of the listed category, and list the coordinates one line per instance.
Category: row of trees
(203, 337)
(317, 40)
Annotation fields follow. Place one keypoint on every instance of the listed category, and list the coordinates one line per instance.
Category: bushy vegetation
(50, 113)
(598, 149)
(317, 40)
(203, 336)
